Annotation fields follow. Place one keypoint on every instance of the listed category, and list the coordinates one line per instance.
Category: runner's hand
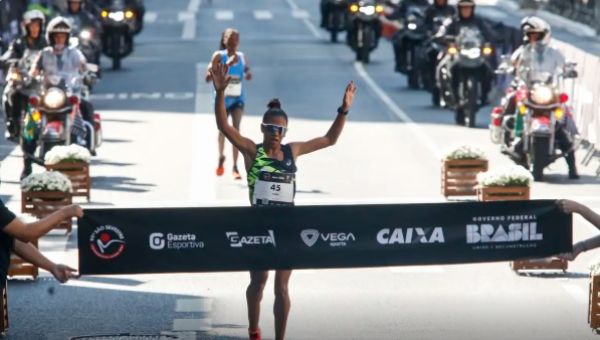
(219, 75)
(63, 273)
(349, 96)
(248, 75)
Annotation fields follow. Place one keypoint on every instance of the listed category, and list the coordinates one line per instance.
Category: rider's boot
(570, 158)
(26, 167)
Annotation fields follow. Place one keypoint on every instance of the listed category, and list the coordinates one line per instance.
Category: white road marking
(143, 96)
(578, 293)
(199, 325)
(150, 17)
(193, 305)
(263, 15)
(394, 108)
(311, 27)
(417, 270)
(300, 14)
(223, 15)
(194, 5)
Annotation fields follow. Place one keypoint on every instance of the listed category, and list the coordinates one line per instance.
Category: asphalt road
(160, 150)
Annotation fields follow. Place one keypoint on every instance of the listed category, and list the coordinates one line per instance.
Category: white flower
(595, 269)
(46, 181)
(514, 176)
(464, 152)
(70, 153)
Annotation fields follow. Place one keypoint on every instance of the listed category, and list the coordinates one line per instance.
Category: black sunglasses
(274, 129)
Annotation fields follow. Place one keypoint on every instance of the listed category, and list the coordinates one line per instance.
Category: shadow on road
(120, 183)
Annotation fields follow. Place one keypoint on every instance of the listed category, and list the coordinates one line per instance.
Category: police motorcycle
(118, 25)
(54, 117)
(19, 81)
(337, 18)
(467, 63)
(541, 107)
(409, 41)
(364, 28)
(92, 72)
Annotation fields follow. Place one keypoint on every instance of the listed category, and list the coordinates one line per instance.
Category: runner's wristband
(342, 112)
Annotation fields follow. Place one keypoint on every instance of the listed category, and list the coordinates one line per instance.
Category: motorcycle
(429, 53)
(54, 117)
(337, 18)
(409, 42)
(541, 107)
(364, 28)
(119, 24)
(18, 82)
(466, 64)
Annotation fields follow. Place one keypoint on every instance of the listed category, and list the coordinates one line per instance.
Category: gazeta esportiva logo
(107, 242)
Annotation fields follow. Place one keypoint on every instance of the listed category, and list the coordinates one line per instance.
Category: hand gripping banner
(170, 240)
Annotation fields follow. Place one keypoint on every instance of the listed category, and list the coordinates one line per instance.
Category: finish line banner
(171, 240)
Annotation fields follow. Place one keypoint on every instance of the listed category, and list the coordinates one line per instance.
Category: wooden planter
(4, 309)
(545, 264)
(42, 203)
(19, 267)
(459, 177)
(78, 173)
(594, 305)
(487, 194)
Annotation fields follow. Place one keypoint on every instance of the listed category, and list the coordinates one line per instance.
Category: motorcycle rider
(439, 8)
(399, 14)
(60, 59)
(32, 41)
(80, 17)
(536, 59)
(325, 6)
(466, 19)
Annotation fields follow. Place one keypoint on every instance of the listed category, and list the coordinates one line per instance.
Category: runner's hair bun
(274, 104)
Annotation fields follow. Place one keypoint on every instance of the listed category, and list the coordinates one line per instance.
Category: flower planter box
(543, 264)
(18, 267)
(594, 304)
(487, 194)
(4, 309)
(78, 173)
(42, 203)
(459, 177)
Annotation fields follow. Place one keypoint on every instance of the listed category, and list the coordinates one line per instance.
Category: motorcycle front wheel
(540, 150)
(471, 107)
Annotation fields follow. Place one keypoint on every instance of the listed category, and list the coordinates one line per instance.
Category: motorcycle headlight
(15, 76)
(85, 35)
(55, 98)
(471, 53)
(542, 95)
(117, 16)
(367, 10)
(129, 14)
(412, 26)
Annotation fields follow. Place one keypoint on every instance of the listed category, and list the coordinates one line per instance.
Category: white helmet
(32, 15)
(58, 25)
(535, 24)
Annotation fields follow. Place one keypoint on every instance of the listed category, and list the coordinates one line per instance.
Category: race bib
(234, 89)
(274, 189)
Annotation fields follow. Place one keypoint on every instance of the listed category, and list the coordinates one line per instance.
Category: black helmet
(57, 25)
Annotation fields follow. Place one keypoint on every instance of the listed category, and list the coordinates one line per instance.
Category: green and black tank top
(276, 179)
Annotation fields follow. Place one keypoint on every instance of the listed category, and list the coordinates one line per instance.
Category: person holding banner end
(570, 207)
(271, 168)
(16, 235)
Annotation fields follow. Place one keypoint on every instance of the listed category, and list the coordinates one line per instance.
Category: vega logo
(389, 236)
(516, 232)
(311, 236)
(237, 241)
